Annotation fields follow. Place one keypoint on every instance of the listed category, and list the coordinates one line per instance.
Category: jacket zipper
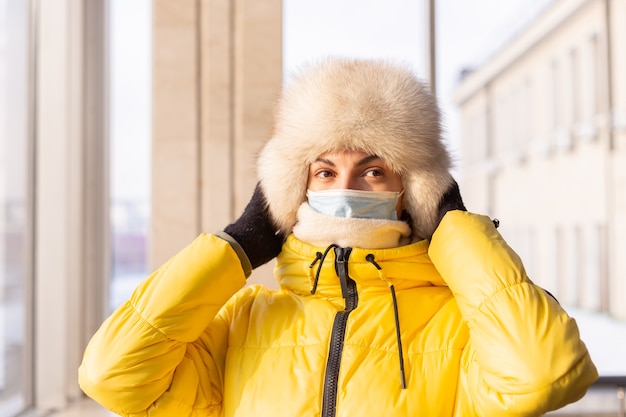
(349, 293)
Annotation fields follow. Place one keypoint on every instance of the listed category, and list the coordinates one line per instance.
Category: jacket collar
(405, 267)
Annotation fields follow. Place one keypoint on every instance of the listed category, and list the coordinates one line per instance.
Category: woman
(393, 300)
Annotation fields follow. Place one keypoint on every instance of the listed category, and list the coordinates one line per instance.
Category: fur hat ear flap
(283, 177)
(422, 194)
(366, 105)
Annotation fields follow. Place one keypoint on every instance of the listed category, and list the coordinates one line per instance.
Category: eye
(374, 172)
(324, 173)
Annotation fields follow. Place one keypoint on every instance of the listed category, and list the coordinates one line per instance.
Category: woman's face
(353, 170)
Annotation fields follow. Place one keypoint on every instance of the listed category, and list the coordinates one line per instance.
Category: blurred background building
(543, 145)
(128, 127)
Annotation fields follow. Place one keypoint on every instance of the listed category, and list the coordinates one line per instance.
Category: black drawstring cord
(398, 336)
(370, 258)
(319, 257)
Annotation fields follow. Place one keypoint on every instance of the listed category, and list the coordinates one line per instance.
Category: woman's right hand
(255, 231)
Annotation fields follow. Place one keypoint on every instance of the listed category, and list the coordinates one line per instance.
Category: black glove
(255, 232)
(451, 200)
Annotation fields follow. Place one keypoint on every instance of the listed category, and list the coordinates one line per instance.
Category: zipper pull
(341, 268)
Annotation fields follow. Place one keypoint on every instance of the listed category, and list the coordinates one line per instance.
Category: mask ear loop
(400, 207)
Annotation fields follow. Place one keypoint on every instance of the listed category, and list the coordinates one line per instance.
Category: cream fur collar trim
(321, 230)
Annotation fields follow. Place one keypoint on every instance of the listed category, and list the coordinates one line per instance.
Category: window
(555, 96)
(526, 115)
(130, 120)
(597, 71)
(575, 81)
(14, 205)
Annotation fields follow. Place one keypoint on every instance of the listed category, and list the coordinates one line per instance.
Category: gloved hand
(451, 200)
(255, 231)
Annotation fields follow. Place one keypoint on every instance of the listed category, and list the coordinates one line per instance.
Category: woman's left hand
(451, 200)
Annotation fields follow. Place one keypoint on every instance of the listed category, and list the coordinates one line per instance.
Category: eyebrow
(363, 161)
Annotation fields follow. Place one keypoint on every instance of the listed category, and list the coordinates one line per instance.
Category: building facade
(543, 148)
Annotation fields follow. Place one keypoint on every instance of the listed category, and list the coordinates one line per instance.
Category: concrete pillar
(217, 74)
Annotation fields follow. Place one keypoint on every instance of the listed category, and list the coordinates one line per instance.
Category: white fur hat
(372, 106)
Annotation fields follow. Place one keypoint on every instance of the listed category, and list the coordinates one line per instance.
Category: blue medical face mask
(355, 203)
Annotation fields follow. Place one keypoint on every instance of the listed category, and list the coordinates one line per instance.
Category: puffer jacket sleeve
(154, 355)
(525, 356)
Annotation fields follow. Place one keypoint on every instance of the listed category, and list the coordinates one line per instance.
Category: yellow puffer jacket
(477, 337)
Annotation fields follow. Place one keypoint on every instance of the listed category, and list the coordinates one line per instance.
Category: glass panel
(13, 202)
(130, 122)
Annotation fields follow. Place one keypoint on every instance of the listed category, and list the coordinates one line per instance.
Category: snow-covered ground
(605, 338)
